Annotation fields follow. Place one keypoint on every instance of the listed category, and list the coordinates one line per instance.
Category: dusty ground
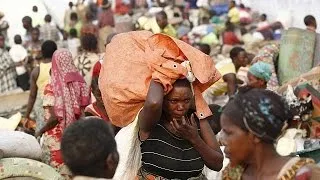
(11, 104)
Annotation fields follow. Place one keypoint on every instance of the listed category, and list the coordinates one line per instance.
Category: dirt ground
(12, 103)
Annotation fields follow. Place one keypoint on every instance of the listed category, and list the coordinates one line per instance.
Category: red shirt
(106, 19)
(230, 38)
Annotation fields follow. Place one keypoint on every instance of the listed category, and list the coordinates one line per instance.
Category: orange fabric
(134, 58)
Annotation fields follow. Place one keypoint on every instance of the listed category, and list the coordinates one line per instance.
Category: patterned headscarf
(71, 93)
(261, 70)
(263, 112)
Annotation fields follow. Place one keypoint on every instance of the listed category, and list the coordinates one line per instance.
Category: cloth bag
(19, 144)
(134, 58)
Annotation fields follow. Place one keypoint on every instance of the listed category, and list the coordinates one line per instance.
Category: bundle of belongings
(299, 75)
(303, 97)
(296, 76)
(20, 153)
(20, 156)
(134, 59)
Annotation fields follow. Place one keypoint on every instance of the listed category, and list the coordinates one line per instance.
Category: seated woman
(174, 143)
(259, 74)
(251, 123)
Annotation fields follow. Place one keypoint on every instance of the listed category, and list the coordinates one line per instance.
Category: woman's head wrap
(261, 112)
(261, 70)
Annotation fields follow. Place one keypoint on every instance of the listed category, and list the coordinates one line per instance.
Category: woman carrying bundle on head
(156, 98)
(171, 135)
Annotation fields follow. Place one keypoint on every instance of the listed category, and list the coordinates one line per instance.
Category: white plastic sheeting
(295, 10)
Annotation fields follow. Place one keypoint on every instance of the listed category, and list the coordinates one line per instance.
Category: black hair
(264, 16)
(73, 32)
(205, 48)
(17, 39)
(182, 83)
(105, 2)
(214, 120)
(259, 111)
(89, 42)
(34, 8)
(242, 6)
(235, 51)
(70, 4)
(162, 14)
(74, 16)
(86, 144)
(48, 48)
(47, 18)
(27, 19)
(175, 14)
(309, 20)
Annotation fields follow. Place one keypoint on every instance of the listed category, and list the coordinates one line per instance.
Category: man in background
(49, 31)
(311, 23)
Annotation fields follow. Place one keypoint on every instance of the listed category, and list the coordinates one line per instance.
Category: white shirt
(18, 53)
(203, 3)
(37, 19)
(73, 45)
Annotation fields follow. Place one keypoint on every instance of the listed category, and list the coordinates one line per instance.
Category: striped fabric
(168, 156)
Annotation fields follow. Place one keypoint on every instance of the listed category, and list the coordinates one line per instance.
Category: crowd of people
(61, 68)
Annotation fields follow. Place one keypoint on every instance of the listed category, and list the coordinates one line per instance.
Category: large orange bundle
(132, 59)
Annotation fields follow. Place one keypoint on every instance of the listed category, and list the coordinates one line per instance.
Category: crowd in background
(60, 67)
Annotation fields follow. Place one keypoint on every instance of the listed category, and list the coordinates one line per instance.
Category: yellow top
(44, 76)
(170, 31)
(224, 67)
(77, 26)
(234, 15)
